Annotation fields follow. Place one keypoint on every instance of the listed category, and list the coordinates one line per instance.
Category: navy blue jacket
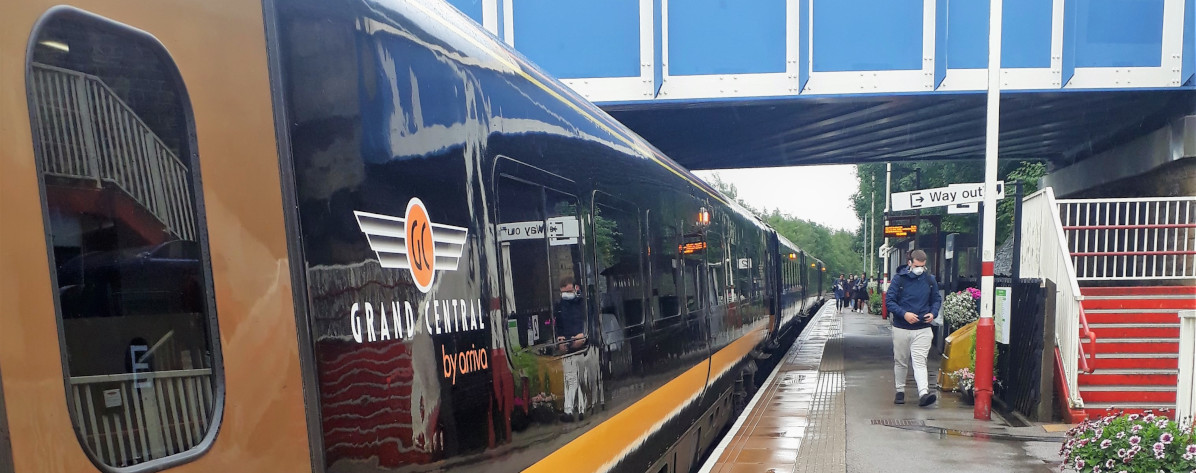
(910, 293)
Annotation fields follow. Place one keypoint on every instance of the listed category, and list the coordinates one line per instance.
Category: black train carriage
(489, 272)
(399, 116)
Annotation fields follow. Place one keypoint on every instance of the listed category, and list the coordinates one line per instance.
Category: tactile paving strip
(798, 422)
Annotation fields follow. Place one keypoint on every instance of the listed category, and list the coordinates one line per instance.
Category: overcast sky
(817, 193)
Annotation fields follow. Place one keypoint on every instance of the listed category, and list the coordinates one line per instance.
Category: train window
(716, 261)
(125, 218)
(539, 240)
(665, 263)
(617, 251)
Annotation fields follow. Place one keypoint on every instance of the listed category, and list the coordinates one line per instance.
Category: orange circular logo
(421, 251)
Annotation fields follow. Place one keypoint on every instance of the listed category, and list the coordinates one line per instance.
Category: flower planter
(968, 397)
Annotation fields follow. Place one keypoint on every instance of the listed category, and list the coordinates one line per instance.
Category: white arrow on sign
(943, 196)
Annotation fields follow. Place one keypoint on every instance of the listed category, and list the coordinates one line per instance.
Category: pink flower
(1135, 440)
(1121, 453)
(1134, 416)
(1106, 443)
(1158, 446)
(1192, 449)
(1166, 438)
(1136, 428)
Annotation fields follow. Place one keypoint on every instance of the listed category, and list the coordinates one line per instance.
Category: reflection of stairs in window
(94, 141)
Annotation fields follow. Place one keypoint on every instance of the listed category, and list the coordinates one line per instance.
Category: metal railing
(1044, 254)
(1185, 393)
(1123, 239)
(88, 132)
(127, 419)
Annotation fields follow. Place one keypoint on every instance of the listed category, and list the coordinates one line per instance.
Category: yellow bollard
(956, 355)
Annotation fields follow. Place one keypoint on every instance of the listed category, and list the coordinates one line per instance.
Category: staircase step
(1138, 290)
(1100, 409)
(1166, 302)
(1135, 331)
(1128, 377)
(1116, 316)
(1137, 345)
(1128, 396)
(1103, 362)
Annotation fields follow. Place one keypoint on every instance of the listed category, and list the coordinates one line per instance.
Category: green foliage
(874, 303)
(1132, 443)
(930, 174)
(838, 249)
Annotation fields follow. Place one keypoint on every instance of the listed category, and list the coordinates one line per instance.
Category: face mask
(568, 296)
(918, 270)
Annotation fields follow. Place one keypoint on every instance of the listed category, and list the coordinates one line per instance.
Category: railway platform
(828, 406)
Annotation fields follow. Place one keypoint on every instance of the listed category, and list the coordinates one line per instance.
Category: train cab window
(617, 251)
(544, 296)
(125, 218)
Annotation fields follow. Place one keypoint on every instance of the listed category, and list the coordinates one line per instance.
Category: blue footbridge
(761, 83)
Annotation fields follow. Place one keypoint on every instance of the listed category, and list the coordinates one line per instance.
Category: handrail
(1131, 239)
(1085, 332)
(88, 132)
(1044, 254)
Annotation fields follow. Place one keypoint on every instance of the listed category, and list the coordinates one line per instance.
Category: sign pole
(985, 329)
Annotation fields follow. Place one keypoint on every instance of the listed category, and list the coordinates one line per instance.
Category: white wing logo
(414, 242)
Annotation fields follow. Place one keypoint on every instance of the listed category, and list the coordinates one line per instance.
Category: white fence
(1185, 392)
(127, 419)
(1122, 239)
(87, 132)
(1045, 255)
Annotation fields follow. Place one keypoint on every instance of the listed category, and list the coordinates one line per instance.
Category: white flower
(1121, 453)
(1192, 449)
(1135, 440)
(1136, 428)
(1158, 446)
(1110, 463)
(1120, 435)
(1166, 438)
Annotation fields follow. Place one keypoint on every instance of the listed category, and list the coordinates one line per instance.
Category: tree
(838, 249)
(930, 174)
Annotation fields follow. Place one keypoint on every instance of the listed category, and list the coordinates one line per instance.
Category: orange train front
(354, 236)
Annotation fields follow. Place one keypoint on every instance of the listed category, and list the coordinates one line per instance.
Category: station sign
(692, 247)
(943, 196)
(900, 231)
(559, 231)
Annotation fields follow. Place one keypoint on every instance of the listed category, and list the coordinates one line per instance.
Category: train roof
(447, 24)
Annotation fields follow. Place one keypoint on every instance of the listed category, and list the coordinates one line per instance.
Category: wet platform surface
(829, 407)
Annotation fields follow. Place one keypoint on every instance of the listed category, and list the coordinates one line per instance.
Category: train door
(552, 335)
(619, 282)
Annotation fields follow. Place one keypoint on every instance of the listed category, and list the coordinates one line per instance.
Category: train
(355, 236)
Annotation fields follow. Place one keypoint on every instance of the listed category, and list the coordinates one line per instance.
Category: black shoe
(927, 399)
(900, 399)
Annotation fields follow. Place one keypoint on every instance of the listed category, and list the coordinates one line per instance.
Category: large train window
(125, 218)
(543, 292)
(617, 251)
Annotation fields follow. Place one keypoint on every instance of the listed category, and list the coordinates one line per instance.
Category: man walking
(913, 300)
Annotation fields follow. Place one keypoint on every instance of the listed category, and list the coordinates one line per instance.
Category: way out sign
(942, 196)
